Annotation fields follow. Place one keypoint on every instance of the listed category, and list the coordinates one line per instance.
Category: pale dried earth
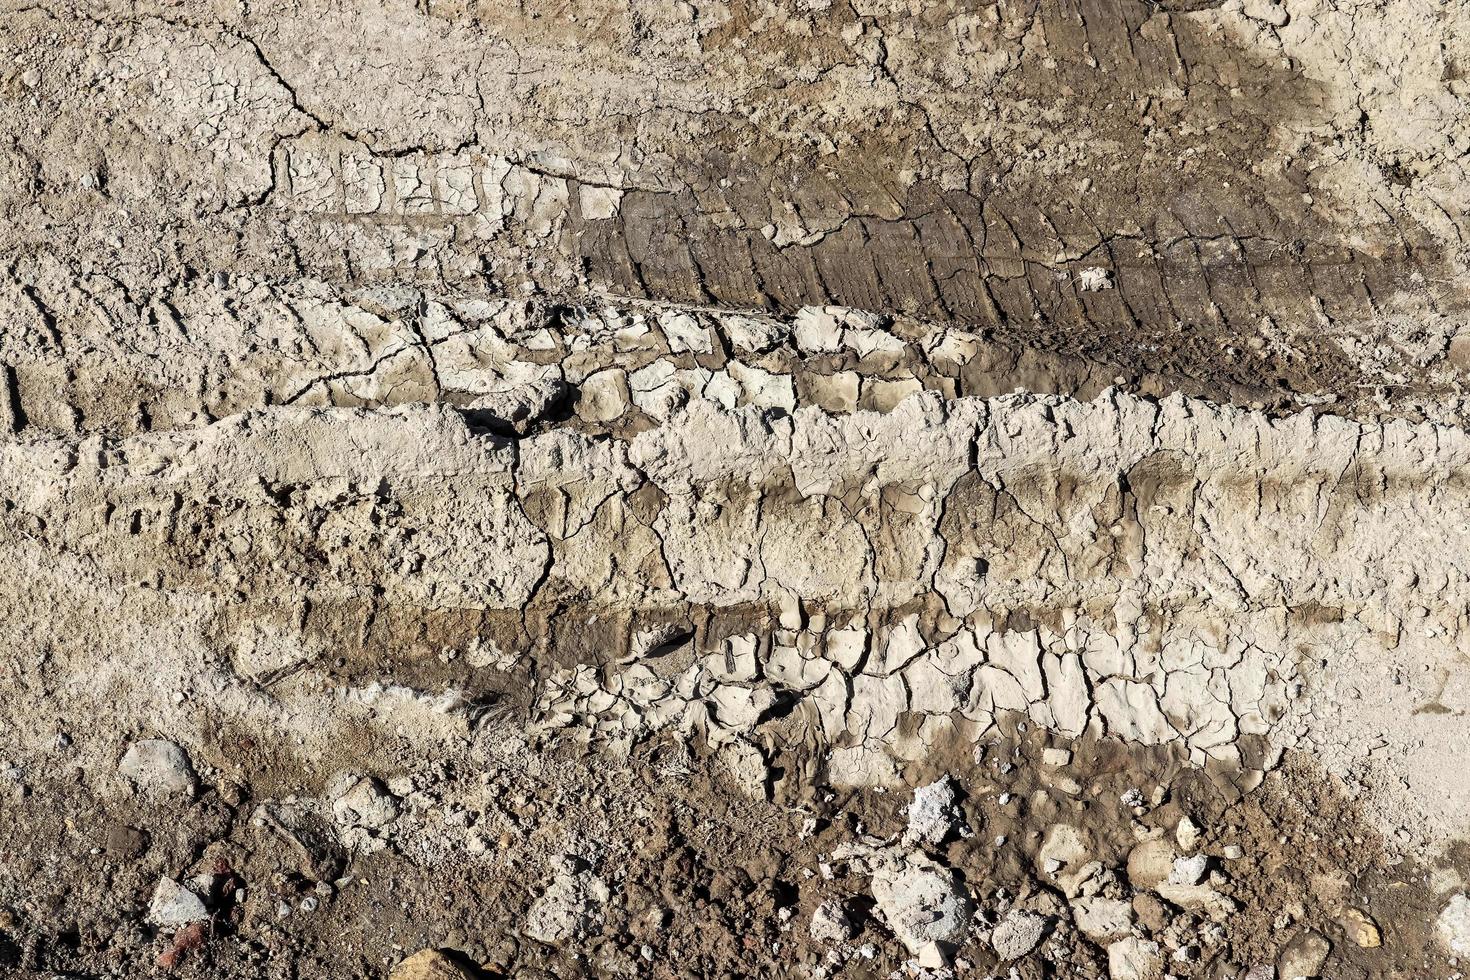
(719, 489)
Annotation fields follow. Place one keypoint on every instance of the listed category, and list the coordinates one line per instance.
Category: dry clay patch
(82, 355)
(1171, 572)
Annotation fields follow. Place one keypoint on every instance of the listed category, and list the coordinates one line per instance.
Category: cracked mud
(736, 488)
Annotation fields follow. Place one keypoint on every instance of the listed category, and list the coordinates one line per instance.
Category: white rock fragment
(569, 906)
(921, 901)
(173, 905)
(932, 814)
(820, 329)
(1189, 870)
(521, 395)
(763, 389)
(362, 801)
(735, 663)
(655, 389)
(830, 923)
(1186, 834)
(723, 390)
(1094, 279)
(1017, 934)
(1103, 920)
(1453, 926)
(1304, 956)
(1135, 959)
(871, 340)
(845, 647)
(158, 766)
(1056, 758)
(932, 958)
(739, 708)
(789, 669)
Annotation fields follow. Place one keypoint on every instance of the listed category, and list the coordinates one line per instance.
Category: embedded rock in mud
(734, 489)
(922, 901)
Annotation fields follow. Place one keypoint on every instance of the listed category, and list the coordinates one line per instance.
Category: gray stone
(173, 905)
(1018, 934)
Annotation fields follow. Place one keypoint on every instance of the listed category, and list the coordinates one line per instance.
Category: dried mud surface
(734, 489)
